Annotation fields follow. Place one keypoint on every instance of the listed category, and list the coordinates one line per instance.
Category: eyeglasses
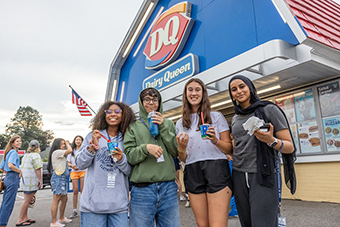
(148, 100)
(116, 111)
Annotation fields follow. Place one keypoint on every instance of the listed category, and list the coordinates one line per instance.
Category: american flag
(81, 104)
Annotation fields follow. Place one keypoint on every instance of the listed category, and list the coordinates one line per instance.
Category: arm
(182, 142)
(14, 168)
(69, 148)
(84, 158)
(284, 135)
(38, 172)
(224, 143)
(123, 165)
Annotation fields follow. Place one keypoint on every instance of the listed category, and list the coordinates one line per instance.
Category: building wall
(316, 182)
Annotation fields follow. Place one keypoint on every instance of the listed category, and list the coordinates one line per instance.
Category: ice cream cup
(204, 129)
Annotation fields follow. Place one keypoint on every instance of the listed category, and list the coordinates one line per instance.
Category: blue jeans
(103, 220)
(11, 185)
(156, 202)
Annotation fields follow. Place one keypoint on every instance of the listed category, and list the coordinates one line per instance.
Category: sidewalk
(298, 214)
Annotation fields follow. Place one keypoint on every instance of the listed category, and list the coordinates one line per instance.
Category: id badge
(160, 159)
(111, 180)
(281, 220)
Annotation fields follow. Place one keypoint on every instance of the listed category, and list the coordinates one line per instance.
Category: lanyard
(278, 176)
(155, 137)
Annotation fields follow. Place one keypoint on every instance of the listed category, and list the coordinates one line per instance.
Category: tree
(27, 123)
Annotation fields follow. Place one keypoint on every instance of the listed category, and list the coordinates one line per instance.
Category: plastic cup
(112, 147)
(204, 129)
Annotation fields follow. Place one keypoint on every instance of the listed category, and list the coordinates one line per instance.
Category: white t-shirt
(59, 161)
(197, 148)
(72, 159)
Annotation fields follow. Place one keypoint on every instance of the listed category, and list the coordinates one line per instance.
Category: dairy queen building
(289, 48)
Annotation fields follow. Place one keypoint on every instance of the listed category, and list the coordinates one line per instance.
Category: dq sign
(168, 36)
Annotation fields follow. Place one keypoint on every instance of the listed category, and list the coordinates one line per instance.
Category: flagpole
(83, 99)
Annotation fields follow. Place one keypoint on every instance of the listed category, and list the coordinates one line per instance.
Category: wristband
(216, 141)
(89, 150)
(181, 151)
(96, 147)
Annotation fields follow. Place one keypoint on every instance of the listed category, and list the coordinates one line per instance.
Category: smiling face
(240, 92)
(113, 115)
(194, 93)
(16, 144)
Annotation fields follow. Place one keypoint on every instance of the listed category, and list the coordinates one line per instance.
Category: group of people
(121, 149)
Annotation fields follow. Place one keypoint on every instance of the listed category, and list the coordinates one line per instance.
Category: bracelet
(96, 147)
(181, 151)
(216, 141)
(89, 150)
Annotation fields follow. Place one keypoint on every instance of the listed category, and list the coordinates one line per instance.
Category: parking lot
(298, 213)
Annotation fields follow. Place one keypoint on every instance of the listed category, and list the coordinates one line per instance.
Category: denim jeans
(11, 185)
(103, 220)
(156, 202)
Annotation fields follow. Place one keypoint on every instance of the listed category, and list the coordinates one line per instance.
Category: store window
(329, 99)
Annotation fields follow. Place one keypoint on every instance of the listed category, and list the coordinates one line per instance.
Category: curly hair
(128, 117)
(205, 105)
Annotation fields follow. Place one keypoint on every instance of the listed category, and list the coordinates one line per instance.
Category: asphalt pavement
(298, 213)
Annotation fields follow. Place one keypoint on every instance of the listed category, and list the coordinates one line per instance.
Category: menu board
(304, 103)
(286, 103)
(331, 128)
(309, 137)
(329, 98)
(293, 128)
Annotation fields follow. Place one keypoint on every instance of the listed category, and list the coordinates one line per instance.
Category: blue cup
(204, 129)
(154, 128)
(112, 147)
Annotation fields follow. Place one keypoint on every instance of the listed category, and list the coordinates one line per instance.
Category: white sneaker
(187, 205)
(65, 221)
(182, 198)
(74, 215)
(57, 224)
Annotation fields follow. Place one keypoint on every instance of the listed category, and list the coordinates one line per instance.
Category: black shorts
(207, 176)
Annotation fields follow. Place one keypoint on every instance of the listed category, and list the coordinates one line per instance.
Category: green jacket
(145, 168)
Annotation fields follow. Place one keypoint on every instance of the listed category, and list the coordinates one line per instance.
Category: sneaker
(65, 221)
(74, 214)
(182, 198)
(57, 224)
(187, 205)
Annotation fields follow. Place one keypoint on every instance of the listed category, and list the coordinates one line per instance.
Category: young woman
(105, 199)
(207, 176)
(154, 198)
(31, 165)
(58, 167)
(76, 174)
(255, 180)
(10, 164)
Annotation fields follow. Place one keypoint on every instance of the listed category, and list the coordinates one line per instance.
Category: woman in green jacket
(154, 191)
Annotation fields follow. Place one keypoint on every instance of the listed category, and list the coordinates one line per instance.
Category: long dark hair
(9, 145)
(128, 117)
(205, 105)
(73, 145)
(55, 146)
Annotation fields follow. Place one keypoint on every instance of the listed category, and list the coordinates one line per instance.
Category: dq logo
(168, 36)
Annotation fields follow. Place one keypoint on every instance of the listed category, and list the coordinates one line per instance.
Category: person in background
(10, 164)
(178, 181)
(254, 156)
(76, 174)
(58, 167)
(154, 192)
(207, 176)
(31, 165)
(105, 199)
